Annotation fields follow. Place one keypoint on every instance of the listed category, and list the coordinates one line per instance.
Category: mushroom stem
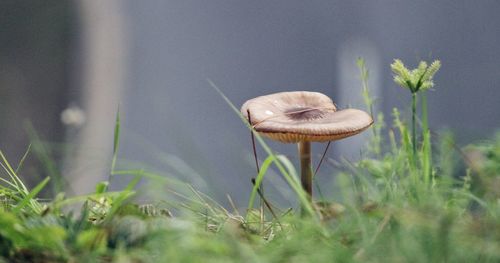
(305, 167)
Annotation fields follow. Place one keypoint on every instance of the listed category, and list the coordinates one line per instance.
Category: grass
(409, 199)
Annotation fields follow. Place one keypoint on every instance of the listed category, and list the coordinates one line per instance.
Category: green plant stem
(414, 122)
(426, 141)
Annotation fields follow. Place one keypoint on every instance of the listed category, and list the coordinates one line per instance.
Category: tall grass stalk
(369, 101)
(414, 122)
(417, 80)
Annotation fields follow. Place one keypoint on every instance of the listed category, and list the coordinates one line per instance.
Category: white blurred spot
(268, 112)
(73, 116)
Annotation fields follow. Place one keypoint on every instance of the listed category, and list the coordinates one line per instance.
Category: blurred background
(65, 66)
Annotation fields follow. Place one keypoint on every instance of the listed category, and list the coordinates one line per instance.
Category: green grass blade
(365, 90)
(290, 168)
(160, 178)
(427, 158)
(258, 181)
(43, 154)
(30, 196)
(425, 118)
(116, 141)
(125, 194)
(8, 183)
(82, 198)
(101, 187)
(426, 144)
(21, 162)
(19, 185)
(406, 142)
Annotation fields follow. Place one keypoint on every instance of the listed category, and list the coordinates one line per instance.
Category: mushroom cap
(297, 116)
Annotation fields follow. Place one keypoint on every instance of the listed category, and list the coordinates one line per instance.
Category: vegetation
(409, 199)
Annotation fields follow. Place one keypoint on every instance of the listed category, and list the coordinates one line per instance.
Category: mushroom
(303, 117)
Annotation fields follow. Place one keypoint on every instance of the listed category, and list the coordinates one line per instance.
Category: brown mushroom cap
(297, 116)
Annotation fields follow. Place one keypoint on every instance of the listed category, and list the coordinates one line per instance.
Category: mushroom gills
(298, 113)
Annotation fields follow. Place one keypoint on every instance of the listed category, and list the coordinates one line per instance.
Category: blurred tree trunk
(102, 57)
